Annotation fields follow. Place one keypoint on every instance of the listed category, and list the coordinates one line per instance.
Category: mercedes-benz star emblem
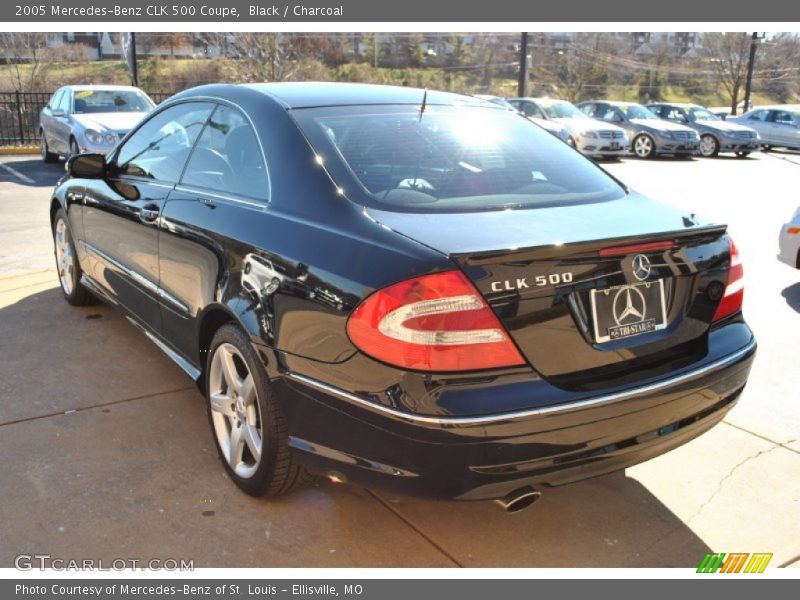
(629, 306)
(641, 267)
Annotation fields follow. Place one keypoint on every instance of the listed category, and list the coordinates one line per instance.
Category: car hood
(725, 126)
(469, 233)
(577, 124)
(550, 126)
(116, 121)
(659, 125)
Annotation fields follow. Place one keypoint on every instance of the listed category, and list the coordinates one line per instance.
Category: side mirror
(86, 166)
(57, 112)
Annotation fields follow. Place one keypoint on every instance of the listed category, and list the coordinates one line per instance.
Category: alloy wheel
(235, 412)
(65, 259)
(708, 145)
(643, 146)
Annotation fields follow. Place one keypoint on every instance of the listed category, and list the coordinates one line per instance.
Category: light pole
(750, 64)
(523, 65)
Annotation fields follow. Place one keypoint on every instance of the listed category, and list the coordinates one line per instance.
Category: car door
(223, 191)
(122, 212)
(758, 120)
(61, 122)
(46, 119)
(785, 128)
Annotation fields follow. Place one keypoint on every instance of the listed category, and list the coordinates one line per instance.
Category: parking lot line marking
(81, 409)
(421, 533)
(16, 173)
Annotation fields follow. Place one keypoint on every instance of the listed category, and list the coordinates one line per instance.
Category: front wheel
(249, 430)
(709, 146)
(67, 265)
(644, 146)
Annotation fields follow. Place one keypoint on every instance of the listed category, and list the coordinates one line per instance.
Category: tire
(67, 265)
(260, 464)
(644, 146)
(47, 156)
(709, 146)
(571, 142)
(742, 154)
(766, 147)
(73, 147)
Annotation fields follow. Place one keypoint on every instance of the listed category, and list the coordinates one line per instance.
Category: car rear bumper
(789, 246)
(349, 438)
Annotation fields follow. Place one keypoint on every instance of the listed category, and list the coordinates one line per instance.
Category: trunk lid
(560, 279)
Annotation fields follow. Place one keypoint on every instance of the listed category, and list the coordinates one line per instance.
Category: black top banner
(391, 11)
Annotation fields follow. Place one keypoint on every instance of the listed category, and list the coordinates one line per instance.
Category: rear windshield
(450, 159)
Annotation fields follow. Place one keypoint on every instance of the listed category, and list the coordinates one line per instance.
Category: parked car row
(659, 128)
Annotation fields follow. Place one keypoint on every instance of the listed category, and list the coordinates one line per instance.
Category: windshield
(703, 114)
(561, 110)
(106, 101)
(450, 159)
(637, 111)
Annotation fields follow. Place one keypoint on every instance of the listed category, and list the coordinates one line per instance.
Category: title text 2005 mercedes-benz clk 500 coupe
(405, 288)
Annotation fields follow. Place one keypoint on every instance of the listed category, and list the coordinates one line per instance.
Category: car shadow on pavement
(97, 426)
(792, 296)
(30, 171)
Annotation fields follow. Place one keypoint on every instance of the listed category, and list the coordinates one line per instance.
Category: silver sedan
(716, 135)
(776, 125)
(89, 118)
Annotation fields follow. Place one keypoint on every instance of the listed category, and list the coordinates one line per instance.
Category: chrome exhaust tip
(518, 500)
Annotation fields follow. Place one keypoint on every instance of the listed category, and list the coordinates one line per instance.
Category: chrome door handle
(149, 215)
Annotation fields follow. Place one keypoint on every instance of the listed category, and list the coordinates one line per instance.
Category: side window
(65, 101)
(784, 117)
(159, 148)
(588, 109)
(53, 104)
(758, 115)
(675, 114)
(227, 157)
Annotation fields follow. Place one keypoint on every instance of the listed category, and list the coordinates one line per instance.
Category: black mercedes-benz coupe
(405, 288)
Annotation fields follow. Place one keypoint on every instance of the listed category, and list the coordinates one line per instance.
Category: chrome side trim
(184, 364)
(547, 410)
(261, 206)
(145, 283)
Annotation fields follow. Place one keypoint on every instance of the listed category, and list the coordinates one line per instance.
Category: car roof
(310, 94)
(612, 102)
(93, 86)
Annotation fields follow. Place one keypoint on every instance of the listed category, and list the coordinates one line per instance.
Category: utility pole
(753, 44)
(523, 65)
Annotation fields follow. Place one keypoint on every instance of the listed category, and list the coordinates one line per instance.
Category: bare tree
(729, 54)
(582, 66)
(29, 58)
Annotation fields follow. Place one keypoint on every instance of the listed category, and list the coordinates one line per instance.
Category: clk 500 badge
(521, 283)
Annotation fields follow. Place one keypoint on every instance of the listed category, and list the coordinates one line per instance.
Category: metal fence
(19, 115)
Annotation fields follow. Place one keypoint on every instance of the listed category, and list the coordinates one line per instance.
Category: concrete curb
(14, 150)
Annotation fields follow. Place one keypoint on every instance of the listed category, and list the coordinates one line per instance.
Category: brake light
(436, 323)
(731, 301)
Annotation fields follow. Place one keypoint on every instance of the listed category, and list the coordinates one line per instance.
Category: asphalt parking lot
(105, 450)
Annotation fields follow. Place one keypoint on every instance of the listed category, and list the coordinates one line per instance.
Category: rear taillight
(731, 301)
(435, 322)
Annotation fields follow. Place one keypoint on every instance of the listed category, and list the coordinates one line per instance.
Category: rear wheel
(644, 146)
(249, 430)
(709, 146)
(47, 156)
(67, 265)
